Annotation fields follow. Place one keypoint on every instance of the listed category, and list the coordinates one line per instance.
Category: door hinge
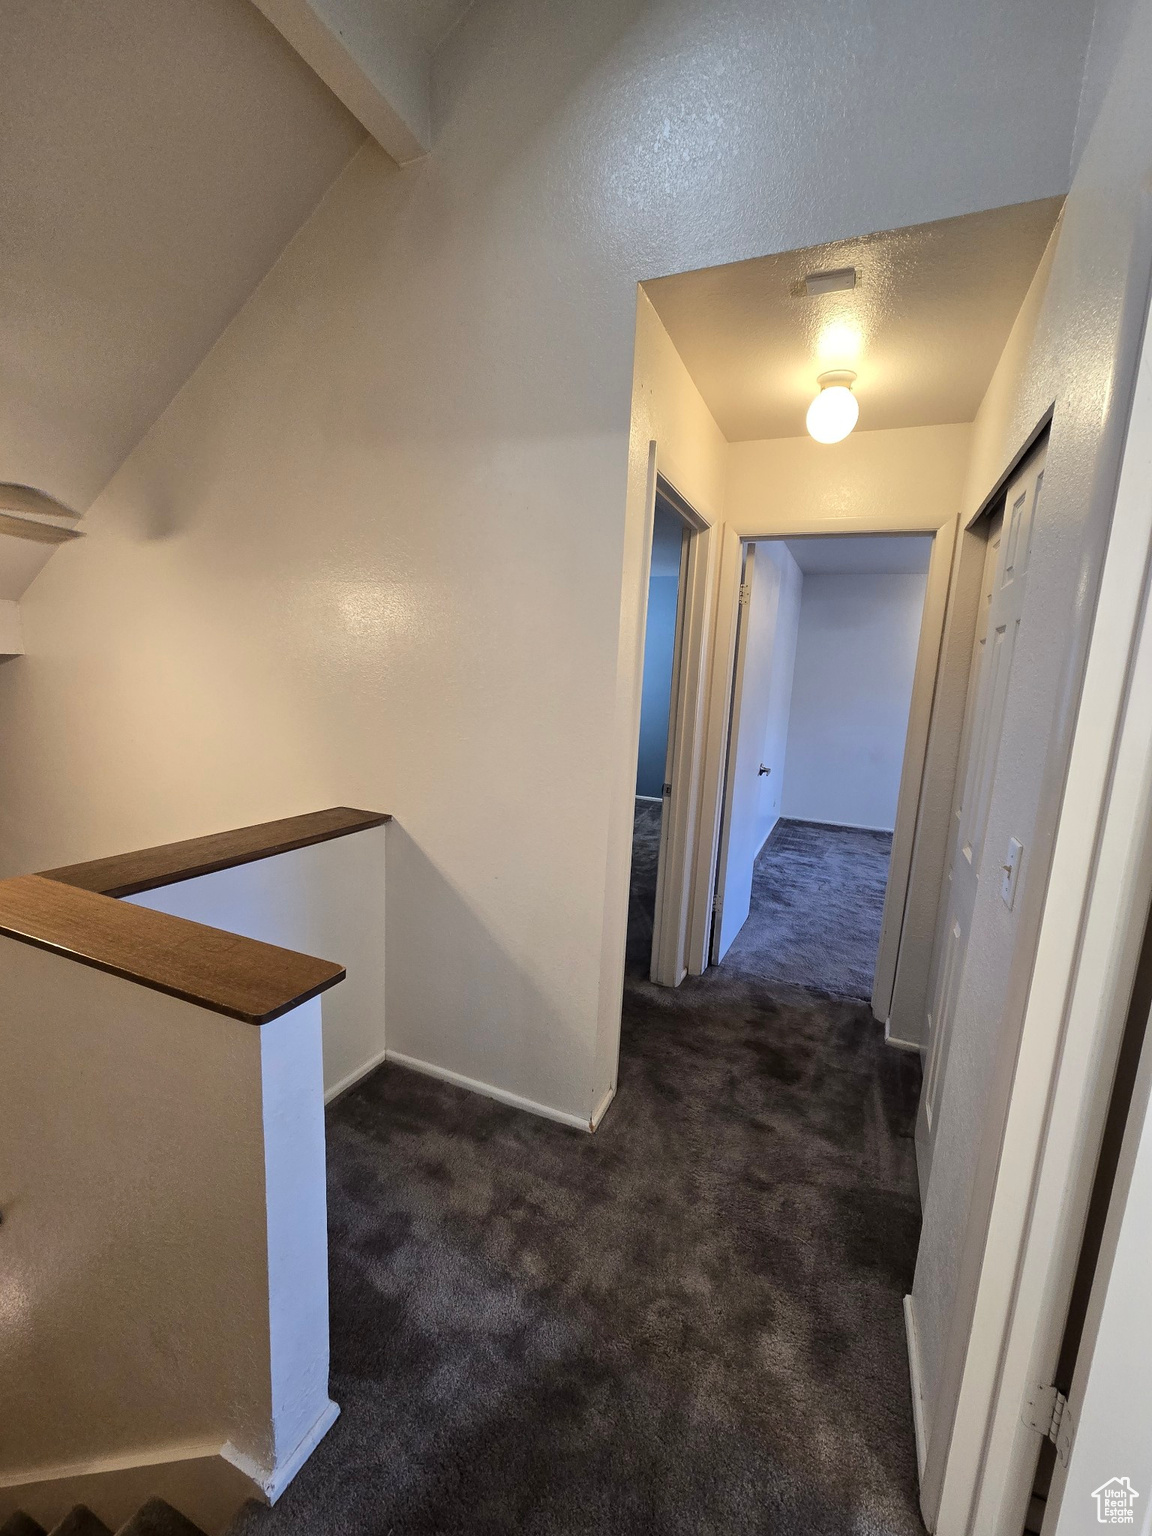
(1046, 1411)
(666, 790)
(745, 593)
(717, 904)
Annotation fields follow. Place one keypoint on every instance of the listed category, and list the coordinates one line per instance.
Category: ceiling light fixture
(834, 411)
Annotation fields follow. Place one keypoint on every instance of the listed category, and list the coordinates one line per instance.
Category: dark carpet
(688, 1324)
(817, 902)
(642, 895)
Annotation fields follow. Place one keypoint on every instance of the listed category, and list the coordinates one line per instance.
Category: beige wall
(673, 434)
(1074, 347)
(904, 479)
(998, 428)
(374, 552)
(325, 900)
(165, 1246)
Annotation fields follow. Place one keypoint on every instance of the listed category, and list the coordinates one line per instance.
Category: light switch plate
(1010, 872)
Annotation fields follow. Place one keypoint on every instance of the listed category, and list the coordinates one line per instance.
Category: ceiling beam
(365, 58)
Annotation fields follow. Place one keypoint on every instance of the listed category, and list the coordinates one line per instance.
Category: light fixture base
(844, 377)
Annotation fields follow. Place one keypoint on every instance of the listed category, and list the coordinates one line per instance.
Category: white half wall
(165, 1245)
(326, 900)
(852, 689)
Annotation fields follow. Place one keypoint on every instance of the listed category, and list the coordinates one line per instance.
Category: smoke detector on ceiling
(839, 281)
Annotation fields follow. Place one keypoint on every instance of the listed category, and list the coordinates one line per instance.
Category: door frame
(934, 1063)
(678, 830)
(940, 626)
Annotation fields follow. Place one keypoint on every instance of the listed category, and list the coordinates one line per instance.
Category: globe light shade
(835, 410)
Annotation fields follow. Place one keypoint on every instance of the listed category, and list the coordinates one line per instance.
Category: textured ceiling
(862, 555)
(428, 22)
(157, 158)
(922, 329)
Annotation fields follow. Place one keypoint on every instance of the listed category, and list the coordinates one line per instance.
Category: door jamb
(728, 768)
(912, 777)
(693, 624)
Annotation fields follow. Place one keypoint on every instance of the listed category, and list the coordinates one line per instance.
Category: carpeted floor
(817, 901)
(688, 1324)
(642, 896)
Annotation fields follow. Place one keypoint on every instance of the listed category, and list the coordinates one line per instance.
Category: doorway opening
(652, 915)
(827, 638)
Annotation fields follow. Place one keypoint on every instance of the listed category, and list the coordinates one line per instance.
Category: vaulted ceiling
(156, 160)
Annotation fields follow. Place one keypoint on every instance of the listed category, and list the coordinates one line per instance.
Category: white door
(761, 692)
(1002, 601)
(734, 873)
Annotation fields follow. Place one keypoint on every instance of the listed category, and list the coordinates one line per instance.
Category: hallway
(817, 905)
(690, 1322)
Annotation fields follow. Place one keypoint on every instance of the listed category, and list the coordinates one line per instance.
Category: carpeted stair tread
(156, 1518)
(21, 1524)
(80, 1521)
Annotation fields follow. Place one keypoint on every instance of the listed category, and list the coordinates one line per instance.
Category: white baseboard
(850, 826)
(916, 1380)
(354, 1077)
(896, 1043)
(775, 823)
(197, 1479)
(602, 1108)
(650, 799)
(273, 1483)
(501, 1095)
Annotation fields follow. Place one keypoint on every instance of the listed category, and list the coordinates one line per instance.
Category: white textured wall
(667, 410)
(1066, 350)
(325, 900)
(165, 1269)
(382, 549)
(1111, 1406)
(855, 661)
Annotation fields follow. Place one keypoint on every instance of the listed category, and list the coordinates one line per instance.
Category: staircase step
(156, 1518)
(20, 1524)
(80, 1522)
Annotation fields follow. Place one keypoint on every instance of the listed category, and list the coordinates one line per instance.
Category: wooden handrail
(73, 912)
(127, 874)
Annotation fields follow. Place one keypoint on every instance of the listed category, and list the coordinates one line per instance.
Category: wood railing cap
(127, 874)
(224, 972)
(73, 912)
